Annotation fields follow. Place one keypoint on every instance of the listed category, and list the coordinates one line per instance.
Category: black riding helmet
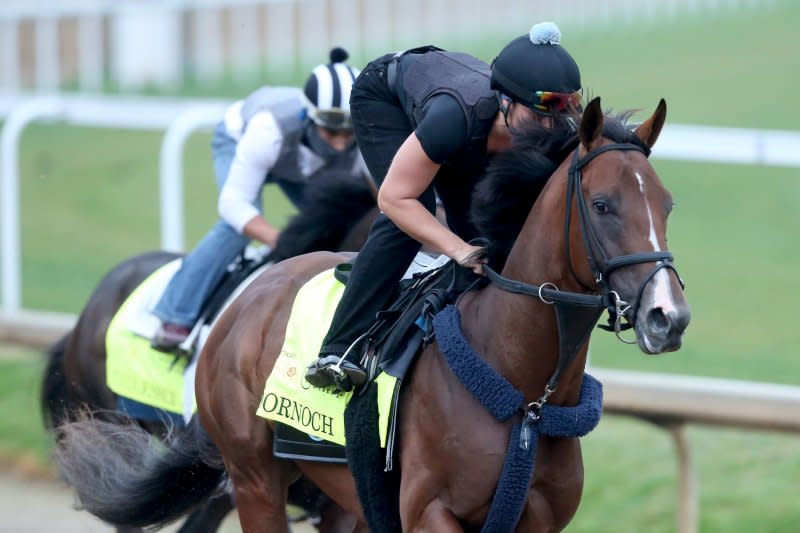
(537, 71)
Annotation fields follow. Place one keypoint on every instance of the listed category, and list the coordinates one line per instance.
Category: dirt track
(35, 506)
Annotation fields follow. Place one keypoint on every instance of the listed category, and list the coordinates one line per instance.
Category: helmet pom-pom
(545, 33)
(338, 55)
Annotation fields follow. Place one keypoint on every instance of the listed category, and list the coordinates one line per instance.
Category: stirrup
(335, 371)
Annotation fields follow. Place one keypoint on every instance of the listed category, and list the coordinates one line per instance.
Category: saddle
(419, 299)
(387, 351)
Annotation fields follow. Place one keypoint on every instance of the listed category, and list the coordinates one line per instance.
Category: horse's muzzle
(660, 330)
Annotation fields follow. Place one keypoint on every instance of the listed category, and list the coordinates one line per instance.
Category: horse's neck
(518, 334)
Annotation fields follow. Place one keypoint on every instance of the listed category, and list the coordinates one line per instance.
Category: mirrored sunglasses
(549, 101)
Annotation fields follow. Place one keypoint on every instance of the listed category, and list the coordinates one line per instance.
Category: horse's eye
(600, 206)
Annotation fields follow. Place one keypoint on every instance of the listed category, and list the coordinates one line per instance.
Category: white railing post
(48, 76)
(90, 52)
(280, 53)
(207, 47)
(244, 43)
(11, 254)
(688, 505)
(171, 184)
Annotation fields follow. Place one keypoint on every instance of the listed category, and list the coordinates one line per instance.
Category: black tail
(127, 477)
(56, 401)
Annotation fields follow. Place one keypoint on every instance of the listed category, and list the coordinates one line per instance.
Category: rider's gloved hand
(471, 256)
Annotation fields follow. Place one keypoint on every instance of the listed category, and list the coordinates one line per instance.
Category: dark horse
(337, 217)
(597, 232)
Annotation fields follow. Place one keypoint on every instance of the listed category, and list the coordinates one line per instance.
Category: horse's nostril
(657, 319)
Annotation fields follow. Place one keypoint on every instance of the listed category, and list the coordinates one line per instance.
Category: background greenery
(89, 200)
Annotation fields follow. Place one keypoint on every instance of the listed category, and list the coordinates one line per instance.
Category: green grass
(731, 70)
(21, 430)
(90, 200)
(745, 479)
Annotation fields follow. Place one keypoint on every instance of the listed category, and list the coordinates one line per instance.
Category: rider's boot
(169, 337)
(330, 370)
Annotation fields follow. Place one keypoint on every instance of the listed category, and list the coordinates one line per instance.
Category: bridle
(602, 266)
(577, 313)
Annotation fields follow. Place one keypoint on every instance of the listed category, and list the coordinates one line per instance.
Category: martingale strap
(503, 401)
(576, 315)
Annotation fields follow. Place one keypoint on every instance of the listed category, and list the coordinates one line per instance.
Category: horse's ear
(649, 130)
(591, 124)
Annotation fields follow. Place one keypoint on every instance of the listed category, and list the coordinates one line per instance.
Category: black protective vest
(465, 78)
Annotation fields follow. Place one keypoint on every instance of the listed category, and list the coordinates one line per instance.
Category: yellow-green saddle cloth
(287, 397)
(136, 371)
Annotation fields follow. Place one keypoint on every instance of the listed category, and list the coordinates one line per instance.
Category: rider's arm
(256, 153)
(412, 171)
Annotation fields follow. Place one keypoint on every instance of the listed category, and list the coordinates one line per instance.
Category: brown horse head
(627, 208)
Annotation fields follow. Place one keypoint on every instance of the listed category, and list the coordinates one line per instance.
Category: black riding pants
(381, 126)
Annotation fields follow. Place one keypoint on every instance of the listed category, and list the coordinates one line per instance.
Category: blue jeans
(204, 266)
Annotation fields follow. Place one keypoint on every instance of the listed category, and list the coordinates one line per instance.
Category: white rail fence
(668, 401)
(165, 43)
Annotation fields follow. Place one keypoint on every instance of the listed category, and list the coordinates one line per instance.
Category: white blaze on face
(661, 293)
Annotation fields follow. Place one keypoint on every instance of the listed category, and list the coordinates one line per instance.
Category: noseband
(576, 313)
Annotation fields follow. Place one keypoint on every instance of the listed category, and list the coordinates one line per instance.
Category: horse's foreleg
(260, 504)
(257, 514)
(260, 483)
(334, 519)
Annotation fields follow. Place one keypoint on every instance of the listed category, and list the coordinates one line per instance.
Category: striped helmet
(327, 92)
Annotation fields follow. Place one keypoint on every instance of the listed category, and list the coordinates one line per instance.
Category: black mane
(333, 206)
(505, 195)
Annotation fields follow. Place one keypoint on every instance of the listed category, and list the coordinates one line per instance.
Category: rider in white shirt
(281, 135)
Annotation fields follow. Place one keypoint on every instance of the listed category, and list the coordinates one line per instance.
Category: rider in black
(427, 121)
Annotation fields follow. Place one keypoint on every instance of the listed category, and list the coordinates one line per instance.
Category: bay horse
(337, 216)
(595, 237)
